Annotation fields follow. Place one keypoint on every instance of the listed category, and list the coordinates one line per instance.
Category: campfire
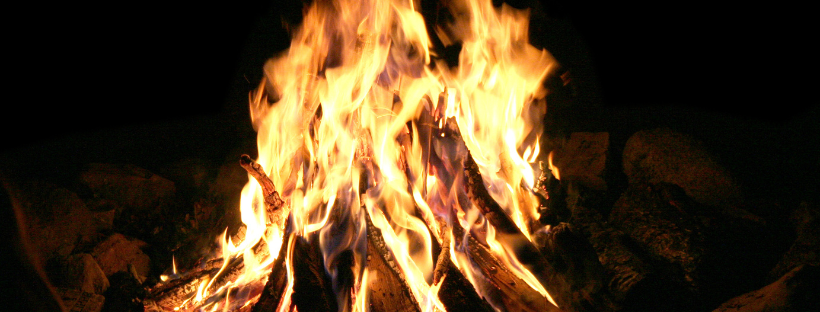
(402, 162)
(387, 178)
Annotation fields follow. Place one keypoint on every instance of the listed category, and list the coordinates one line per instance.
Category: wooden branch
(174, 292)
(273, 201)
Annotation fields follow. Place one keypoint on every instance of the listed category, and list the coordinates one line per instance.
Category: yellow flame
(357, 73)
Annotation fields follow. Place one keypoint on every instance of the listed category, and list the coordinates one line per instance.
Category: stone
(76, 300)
(129, 185)
(665, 156)
(190, 175)
(56, 219)
(81, 271)
(582, 158)
(116, 252)
(806, 247)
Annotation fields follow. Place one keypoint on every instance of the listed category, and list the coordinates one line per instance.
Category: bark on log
(174, 292)
(273, 202)
(503, 288)
(583, 278)
(387, 287)
(663, 230)
(277, 282)
(511, 235)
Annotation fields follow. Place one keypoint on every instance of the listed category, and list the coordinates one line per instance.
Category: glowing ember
(367, 127)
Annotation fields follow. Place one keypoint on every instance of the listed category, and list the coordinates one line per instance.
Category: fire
(360, 122)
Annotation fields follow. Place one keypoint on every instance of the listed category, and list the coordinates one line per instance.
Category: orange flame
(351, 92)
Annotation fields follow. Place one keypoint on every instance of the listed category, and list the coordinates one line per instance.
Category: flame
(343, 141)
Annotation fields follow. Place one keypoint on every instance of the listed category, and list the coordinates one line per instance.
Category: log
(277, 284)
(456, 292)
(634, 282)
(312, 289)
(663, 230)
(509, 233)
(174, 292)
(387, 286)
(577, 266)
(503, 289)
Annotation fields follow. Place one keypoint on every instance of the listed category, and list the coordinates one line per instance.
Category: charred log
(634, 281)
(273, 202)
(388, 290)
(277, 283)
(172, 293)
(503, 288)
(312, 289)
(552, 205)
(553, 281)
(582, 276)
(662, 230)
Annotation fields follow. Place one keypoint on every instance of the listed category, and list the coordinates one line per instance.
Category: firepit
(410, 156)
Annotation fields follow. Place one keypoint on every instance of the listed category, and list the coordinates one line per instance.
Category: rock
(103, 212)
(81, 271)
(582, 158)
(116, 252)
(806, 246)
(795, 291)
(128, 185)
(80, 301)
(662, 155)
(190, 175)
(125, 294)
(57, 220)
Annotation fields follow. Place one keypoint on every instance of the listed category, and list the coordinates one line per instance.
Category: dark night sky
(183, 70)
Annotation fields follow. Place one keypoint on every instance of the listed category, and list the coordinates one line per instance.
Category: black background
(104, 79)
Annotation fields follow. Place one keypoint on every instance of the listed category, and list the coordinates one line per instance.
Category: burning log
(562, 286)
(277, 283)
(389, 292)
(456, 292)
(172, 293)
(504, 288)
(312, 290)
